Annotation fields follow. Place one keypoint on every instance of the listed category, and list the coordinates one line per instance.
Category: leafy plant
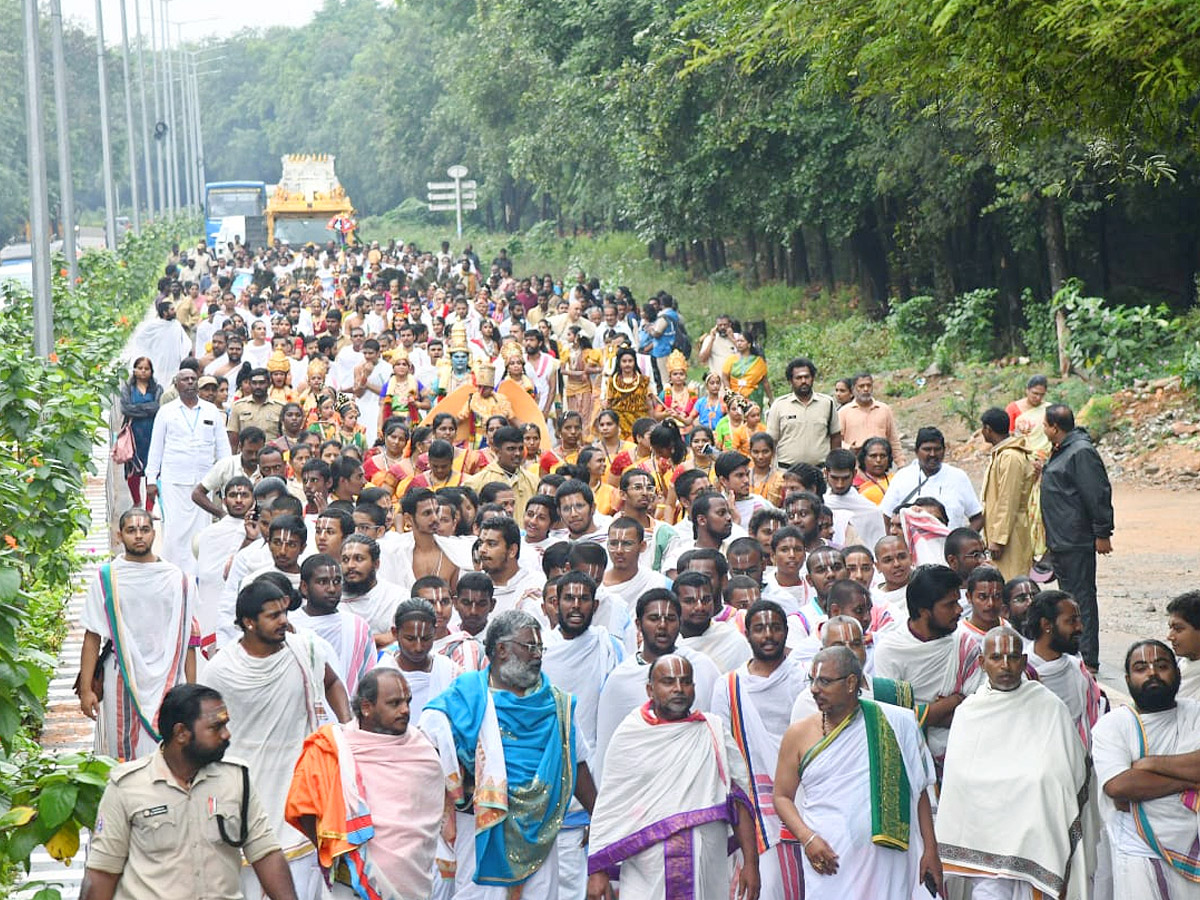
(915, 326)
(50, 411)
(1098, 415)
(967, 330)
(1118, 342)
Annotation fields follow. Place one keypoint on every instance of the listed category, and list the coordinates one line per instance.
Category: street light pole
(185, 114)
(39, 205)
(169, 87)
(164, 192)
(203, 175)
(132, 144)
(66, 187)
(141, 66)
(110, 202)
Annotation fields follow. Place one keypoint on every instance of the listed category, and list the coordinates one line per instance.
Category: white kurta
(641, 789)
(580, 667)
(934, 668)
(837, 805)
(377, 607)
(722, 643)
(184, 445)
(424, 685)
(215, 545)
(350, 638)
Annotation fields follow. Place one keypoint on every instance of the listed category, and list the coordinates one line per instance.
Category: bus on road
(235, 210)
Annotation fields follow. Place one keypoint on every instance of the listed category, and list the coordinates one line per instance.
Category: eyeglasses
(531, 649)
(979, 554)
(822, 682)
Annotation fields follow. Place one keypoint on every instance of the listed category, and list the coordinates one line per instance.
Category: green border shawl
(891, 798)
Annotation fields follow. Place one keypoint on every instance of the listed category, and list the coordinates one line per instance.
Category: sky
(198, 18)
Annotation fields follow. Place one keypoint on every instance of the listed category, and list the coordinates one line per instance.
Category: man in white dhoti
(427, 673)
(162, 339)
(369, 795)
(864, 823)
(214, 548)
(1183, 633)
(188, 438)
(276, 684)
(511, 734)
(625, 690)
(940, 663)
(140, 607)
(1147, 760)
(719, 641)
(756, 699)
(664, 835)
(346, 633)
(579, 658)
(1012, 832)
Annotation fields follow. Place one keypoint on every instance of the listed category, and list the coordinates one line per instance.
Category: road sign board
(457, 171)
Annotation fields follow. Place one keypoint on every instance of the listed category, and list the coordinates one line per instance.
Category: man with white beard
(515, 733)
(579, 658)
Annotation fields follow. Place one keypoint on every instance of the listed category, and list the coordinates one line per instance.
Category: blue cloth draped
(538, 763)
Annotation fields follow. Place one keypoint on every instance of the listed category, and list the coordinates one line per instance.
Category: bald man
(642, 794)
(1021, 835)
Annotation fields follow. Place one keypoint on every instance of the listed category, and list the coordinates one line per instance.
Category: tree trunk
(701, 258)
(752, 257)
(826, 259)
(873, 265)
(799, 266)
(716, 253)
(769, 257)
(1055, 238)
(489, 214)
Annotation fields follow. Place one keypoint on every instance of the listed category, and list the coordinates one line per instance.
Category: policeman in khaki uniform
(177, 823)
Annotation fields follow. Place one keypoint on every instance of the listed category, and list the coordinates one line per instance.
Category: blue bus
(235, 209)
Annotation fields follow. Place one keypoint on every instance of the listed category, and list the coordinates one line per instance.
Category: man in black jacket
(1078, 515)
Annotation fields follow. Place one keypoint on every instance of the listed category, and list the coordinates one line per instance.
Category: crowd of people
(467, 588)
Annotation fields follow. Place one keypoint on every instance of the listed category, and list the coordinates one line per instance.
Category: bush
(1039, 337)
(1097, 415)
(838, 348)
(1120, 343)
(915, 327)
(50, 411)
(967, 331)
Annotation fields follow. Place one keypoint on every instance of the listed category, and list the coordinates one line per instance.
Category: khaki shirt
(802, 430)
(163, 840)
(248, 411)
(520, 481)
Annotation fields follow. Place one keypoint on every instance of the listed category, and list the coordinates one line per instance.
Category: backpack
(683, 342)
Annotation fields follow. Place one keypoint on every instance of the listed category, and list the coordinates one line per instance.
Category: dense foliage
(903, 148)
(50, 412)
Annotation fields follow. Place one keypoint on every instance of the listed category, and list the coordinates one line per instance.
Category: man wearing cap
(257, 409)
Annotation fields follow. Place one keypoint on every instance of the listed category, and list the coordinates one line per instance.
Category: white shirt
(186, 441)
(949, 484)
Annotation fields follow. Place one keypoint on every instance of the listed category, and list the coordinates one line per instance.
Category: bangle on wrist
(812, 837)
